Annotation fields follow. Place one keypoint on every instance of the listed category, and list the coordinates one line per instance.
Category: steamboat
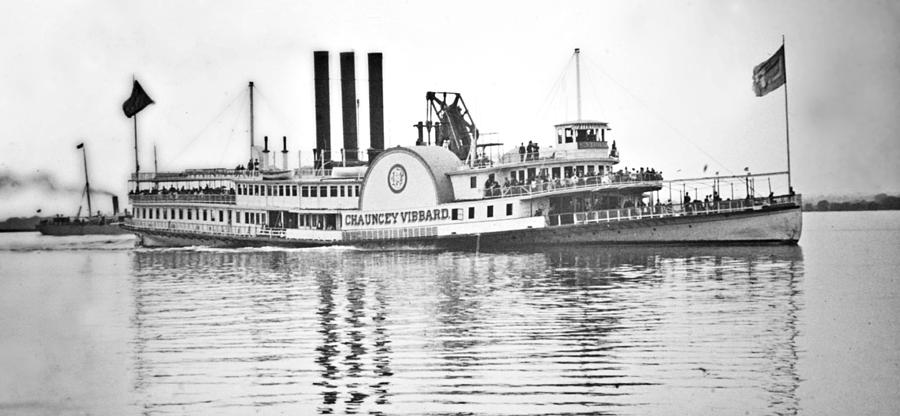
(450, 190)
(93, 223)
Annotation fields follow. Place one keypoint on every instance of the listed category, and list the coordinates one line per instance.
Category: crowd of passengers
(511, 186)
(206, 190)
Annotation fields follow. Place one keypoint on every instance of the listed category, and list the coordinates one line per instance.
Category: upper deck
(224, 174)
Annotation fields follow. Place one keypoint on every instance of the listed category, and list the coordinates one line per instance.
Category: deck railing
(233, 230)
(185, 197)
(567, 184)
(247, 230)
(546, 156)
(671, 210)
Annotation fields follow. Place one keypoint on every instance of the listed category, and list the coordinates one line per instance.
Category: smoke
(12, 182)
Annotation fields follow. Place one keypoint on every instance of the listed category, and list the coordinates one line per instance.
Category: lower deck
(774, 219)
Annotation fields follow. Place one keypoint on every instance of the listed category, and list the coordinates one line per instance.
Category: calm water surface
(93, 326)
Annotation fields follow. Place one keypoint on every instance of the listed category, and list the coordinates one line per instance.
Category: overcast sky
(672, 78)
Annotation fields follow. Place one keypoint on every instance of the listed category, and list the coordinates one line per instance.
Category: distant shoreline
(882, 202)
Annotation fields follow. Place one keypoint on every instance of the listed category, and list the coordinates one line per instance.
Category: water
(92, 326)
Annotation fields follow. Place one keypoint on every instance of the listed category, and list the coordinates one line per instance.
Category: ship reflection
(576, 330)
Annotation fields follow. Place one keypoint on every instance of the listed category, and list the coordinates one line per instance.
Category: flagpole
(137, 165)
(787, 129)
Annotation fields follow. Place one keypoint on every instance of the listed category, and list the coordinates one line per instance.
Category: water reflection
(589, 330)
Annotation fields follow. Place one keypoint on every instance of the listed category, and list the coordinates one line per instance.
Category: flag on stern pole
(138, 100)
(769, 75)
(80, 145)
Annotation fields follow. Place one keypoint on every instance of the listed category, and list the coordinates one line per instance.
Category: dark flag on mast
(80, 145)
(769, 75)
(138, 100)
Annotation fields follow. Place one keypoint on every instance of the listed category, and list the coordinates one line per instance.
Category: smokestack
(322, 151)
(265, 159)
(376, 106)
(115, 205)
(284, 153)
(348, 104)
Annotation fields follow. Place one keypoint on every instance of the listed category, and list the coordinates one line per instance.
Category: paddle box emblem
(397, 178)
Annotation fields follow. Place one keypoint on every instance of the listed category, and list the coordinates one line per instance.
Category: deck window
(334, 191)
(471, 213)
(293, 190)
(180, 214)
(508, 209)
(356, 190)
(490, 211)
(342, 190)
(473, 182)
(221, 216)
(323, 191)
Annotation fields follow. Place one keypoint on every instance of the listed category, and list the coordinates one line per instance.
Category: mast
(251, 121)
(787, 130)
(87, 183)
(155, 162)
(578, 79)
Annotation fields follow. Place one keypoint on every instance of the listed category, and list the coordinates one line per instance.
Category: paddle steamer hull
(780, 225)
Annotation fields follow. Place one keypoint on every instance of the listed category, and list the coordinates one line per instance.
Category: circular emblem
(397, 178)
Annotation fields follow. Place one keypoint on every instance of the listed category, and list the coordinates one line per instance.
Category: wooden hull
(768, 226)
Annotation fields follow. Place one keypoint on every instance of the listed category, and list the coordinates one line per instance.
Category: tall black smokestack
(376, 105)
(323, 110)
(348, 101)
(115, 201)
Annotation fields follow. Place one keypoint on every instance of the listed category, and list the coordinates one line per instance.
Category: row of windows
(225, 216)
(306, 191)
(210, 215)
(489, 213)
(324, 191)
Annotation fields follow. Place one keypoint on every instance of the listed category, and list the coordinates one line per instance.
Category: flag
(138, 100)
(80, 145)
(769, 75)
(705, 167)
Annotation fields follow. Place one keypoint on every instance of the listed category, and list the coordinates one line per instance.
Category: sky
(673, 79)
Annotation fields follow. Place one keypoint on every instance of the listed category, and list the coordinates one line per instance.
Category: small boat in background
(91, 224)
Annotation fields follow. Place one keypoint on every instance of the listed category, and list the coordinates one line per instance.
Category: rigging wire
(554, 89)
(237, 115)
(202, 131)
(279, 116)
(677, 132)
